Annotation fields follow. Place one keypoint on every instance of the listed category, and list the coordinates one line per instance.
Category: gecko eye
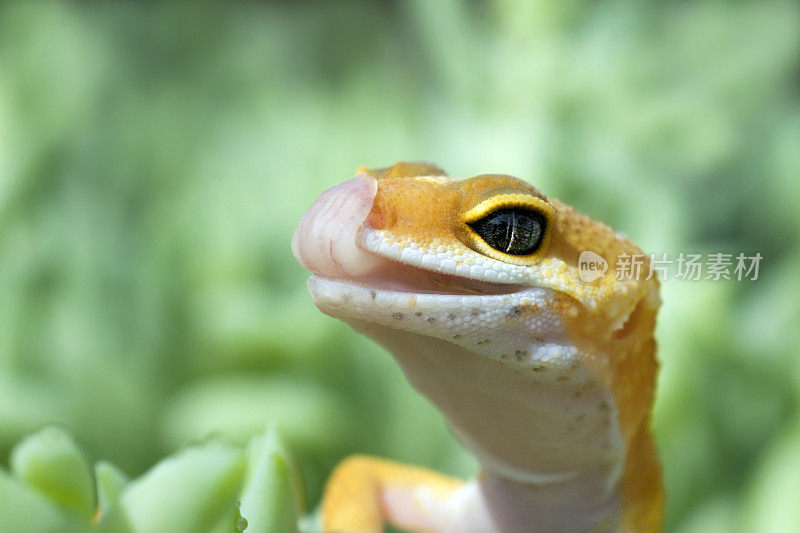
(513, 231)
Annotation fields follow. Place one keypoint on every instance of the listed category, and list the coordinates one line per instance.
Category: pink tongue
(325, 241)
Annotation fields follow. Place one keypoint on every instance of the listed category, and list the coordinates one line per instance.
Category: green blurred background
(154, 160)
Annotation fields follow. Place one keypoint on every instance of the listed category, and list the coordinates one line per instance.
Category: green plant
(213, 486)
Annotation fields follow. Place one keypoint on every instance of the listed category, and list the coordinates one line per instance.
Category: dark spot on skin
(539, 339)
(398, 316)
(451, 316)
(563, 378)
(580, 418)
(475, 312)
(431, 320)
(517, 310)
(418, 313)
(484, 341)
(538, 368)
(504, 357)
(519, 355)
(603, 406)
(373, 294)
(578, 394)
(457, 335)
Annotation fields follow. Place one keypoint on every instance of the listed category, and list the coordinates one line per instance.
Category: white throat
(549, 448)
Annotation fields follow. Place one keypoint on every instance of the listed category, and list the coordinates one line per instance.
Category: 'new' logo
(591, 266)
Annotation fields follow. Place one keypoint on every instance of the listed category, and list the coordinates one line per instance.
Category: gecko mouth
(394, 290)
(404, 278)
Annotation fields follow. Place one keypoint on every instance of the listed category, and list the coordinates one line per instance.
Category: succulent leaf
(24, 509)
(110, 483)
(183, 494)
(52, 463)
(272, 490)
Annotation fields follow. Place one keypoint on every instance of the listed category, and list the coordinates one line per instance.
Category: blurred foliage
(212, 487)
(154, 160)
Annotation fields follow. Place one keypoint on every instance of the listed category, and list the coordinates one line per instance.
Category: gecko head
(488, 263)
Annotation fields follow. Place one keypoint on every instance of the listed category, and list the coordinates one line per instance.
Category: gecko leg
(364, 492)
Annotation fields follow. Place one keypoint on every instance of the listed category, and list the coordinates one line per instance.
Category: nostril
(380, 217)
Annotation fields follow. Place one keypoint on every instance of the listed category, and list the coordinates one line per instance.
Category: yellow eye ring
(503, 212)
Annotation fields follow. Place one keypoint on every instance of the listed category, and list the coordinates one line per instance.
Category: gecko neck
(549, 445)
(582, 503)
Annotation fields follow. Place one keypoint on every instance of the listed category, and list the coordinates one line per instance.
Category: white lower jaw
(503, 326)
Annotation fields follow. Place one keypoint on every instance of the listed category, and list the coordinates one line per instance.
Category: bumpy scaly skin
(546, 378)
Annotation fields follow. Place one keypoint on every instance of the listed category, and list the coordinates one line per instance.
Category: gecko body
(475, 288)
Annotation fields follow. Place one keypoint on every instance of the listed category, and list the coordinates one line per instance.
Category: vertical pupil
(512, 231)
(500, 230)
